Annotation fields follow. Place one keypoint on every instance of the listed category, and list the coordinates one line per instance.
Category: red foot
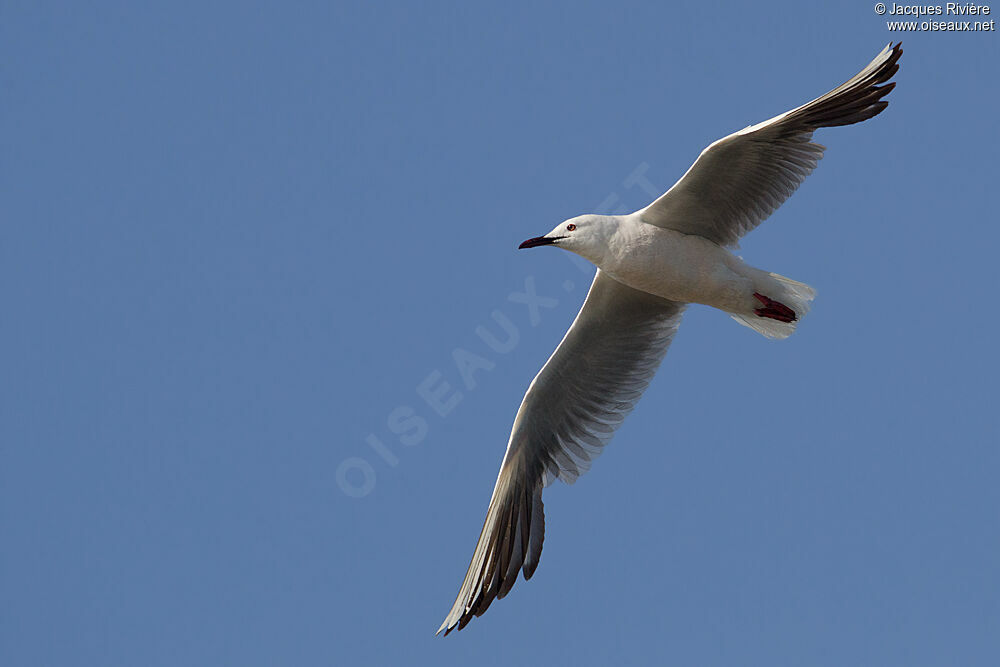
(774, 309)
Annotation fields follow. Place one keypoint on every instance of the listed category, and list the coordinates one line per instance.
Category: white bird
(651, 264)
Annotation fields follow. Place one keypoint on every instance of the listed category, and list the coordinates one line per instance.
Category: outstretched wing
(570, 411)
(739, 180)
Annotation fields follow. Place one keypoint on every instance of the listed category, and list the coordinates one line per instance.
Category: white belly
(678, 267)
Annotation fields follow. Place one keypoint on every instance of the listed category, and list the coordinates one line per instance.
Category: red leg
(773, 309)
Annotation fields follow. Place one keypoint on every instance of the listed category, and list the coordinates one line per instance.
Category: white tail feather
(792, 293)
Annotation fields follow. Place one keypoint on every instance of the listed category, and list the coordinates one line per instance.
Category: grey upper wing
(570, 411)
(739, 180)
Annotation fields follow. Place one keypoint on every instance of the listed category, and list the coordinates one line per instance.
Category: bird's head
(586, 235)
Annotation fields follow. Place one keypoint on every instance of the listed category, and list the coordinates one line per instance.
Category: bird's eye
(570, 227)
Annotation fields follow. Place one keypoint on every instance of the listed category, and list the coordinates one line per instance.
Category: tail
(780, 303)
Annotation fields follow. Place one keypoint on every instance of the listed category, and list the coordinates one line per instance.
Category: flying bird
(651, 264)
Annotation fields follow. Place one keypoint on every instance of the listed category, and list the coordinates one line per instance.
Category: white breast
(675, 266)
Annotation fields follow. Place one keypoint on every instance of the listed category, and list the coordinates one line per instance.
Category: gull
(650, 265)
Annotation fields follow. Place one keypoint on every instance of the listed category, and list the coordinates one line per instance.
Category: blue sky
(238, 237)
